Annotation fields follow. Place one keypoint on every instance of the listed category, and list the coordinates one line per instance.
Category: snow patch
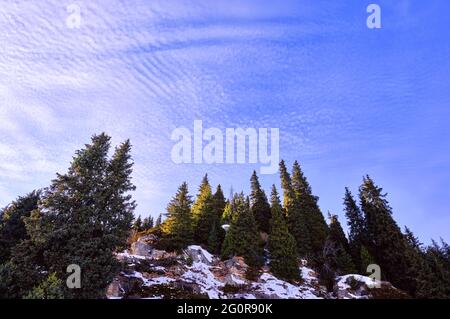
(200, 274)
(308, 275)
(370, 282)
(272, 286)
(127, 255)
(201, 251)
(152, 281)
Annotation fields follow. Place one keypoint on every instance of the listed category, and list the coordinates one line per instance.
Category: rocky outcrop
(199, 255)
(195, 273)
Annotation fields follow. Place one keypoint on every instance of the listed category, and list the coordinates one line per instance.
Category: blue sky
(348, 100)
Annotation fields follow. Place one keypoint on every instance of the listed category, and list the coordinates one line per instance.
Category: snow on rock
(342, 281)
(126, 256)
(309, 275)
(152, 273)
(199, 255)
(233, 280)
(141, 249)
(200, 274)
(271, 287)
(354, 286)
(150, 281)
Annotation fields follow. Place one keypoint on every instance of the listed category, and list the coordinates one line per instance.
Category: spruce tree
(219, 202)
(215, 237)
(227, 215)
(310, 213)
(158, 221)
(425, 281)
(344, 263)
(242, 238)
(355, 221)
(385, 241)
(203, 212)
(147, 223)
(282, 245)
(259, 205)
(179, 224)
(83, 217)
(216, 234)
(137, 225)
(296, 222)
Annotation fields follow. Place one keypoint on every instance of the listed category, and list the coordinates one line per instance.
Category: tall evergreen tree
(355, 221)
(282, 245)
(158, 221)
(147, 223)
(242, 238)
(219, 202)
(336, 260)
(425, 281)
(344, 263)
(259, 205)
(137, 224)
(385, 241)
(203, 212)
(227, 215)
(217, 233)
(83, 217)
(296, 222)
(309, 212)
(179, 224)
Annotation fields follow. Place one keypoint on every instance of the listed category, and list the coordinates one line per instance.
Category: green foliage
(24, 270)
(83, 217)
(137, 224)
(242, 238)
(12, 227)
(230, 211)
(355, 221)
(214, 243)
(310, 213)
(336, 253)
(50, 288)
(434, 271)
(147, 223)
(384, 239)
(219, 202)
(259, 205)
(158, 221)
(217, 233)
(178, 224)
(203, 212)
(282, 246)
(297, 222)
(366, 260)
